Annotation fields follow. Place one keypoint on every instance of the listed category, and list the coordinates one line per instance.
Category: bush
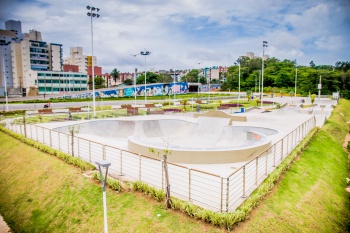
(44, 148)
(111, 183)
(140, 186)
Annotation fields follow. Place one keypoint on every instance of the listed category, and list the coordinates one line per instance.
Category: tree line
(281, 76)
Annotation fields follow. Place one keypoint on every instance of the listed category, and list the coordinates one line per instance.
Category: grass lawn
(311, 197)
(40, 193)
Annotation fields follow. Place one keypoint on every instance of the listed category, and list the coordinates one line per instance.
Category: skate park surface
(210, 138)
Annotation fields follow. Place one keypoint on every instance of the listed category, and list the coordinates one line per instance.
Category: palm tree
(115, 74)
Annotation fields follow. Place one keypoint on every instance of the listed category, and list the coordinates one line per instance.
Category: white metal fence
(210, 191)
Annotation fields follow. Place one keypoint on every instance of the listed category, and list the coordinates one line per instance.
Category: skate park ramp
(209, 140)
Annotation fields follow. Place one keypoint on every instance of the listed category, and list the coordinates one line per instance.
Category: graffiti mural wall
(213, 87)
(128, 91)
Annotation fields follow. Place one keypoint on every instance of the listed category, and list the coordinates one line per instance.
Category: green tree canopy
(150, 78)
(115, 74)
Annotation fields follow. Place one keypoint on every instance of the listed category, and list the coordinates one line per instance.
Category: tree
(313, 97)
(128, 81)
(164, 78)
(115, 74)
(312, 64)
(72, 131)
(99, 82)
(185, 101)
(191, 76)
(166, 152)
(150, 78)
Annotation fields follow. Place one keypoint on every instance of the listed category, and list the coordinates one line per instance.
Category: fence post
(162, 174)
(31, 132)
(24, 125)
(274, 155)
(189, 184)
(267, 155)
(104, 152)
(282, 149)
(288, 144)
(43, 135)
(90, 151)
(243, 182)
(78, 147)
(37, 136)
(59, 141)
(50, 137)
(257, 170)
(222, 193)
(227, 193)
(121, 162)
(140, 167)
(68, 143)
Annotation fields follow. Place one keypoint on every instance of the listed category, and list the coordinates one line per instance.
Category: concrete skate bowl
(209, 141)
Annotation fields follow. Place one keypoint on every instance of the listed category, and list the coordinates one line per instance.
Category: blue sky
(182, 33)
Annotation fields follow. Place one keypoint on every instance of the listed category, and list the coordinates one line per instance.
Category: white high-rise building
(28, 63)
(77, 58)
(11, 34)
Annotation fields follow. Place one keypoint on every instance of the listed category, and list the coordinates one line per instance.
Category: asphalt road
(35, 106)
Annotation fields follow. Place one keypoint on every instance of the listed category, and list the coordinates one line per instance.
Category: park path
(3, 226)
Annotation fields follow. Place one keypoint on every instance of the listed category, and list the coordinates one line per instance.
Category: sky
(189, 34)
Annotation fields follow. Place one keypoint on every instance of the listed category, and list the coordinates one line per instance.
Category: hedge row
(44, 148)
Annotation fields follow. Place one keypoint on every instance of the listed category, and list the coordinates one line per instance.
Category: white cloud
(181, 33)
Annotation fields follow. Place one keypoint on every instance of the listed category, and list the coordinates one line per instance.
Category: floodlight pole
(91, 15)
(104, 164)
(296, 78)
(174, 87)
(145, 53)
(5, 80)
(262, 73)
(239, 79)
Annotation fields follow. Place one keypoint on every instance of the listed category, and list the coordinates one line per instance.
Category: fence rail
(210, 191)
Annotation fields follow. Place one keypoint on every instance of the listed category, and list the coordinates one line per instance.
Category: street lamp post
(5, 81)
(104, 164)
(255, 83)
(239, 79)
(135, 93)
(199, 66)
(259, 84)
(91, 14)
(209, 83)
(145, 53)
(296, 78)
(319, 88)
(262, 73)
(174, 87)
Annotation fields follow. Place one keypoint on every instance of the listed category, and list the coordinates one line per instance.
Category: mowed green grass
(311, 197)
(40, 193)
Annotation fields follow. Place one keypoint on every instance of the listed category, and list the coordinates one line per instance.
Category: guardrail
(210, 191)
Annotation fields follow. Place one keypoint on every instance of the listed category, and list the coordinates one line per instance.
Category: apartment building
(29, 63)
(11, 34)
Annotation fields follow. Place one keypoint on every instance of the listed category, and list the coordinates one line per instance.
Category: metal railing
(210, 191)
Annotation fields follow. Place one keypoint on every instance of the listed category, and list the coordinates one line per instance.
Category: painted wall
(213, 87)
(151, 90)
